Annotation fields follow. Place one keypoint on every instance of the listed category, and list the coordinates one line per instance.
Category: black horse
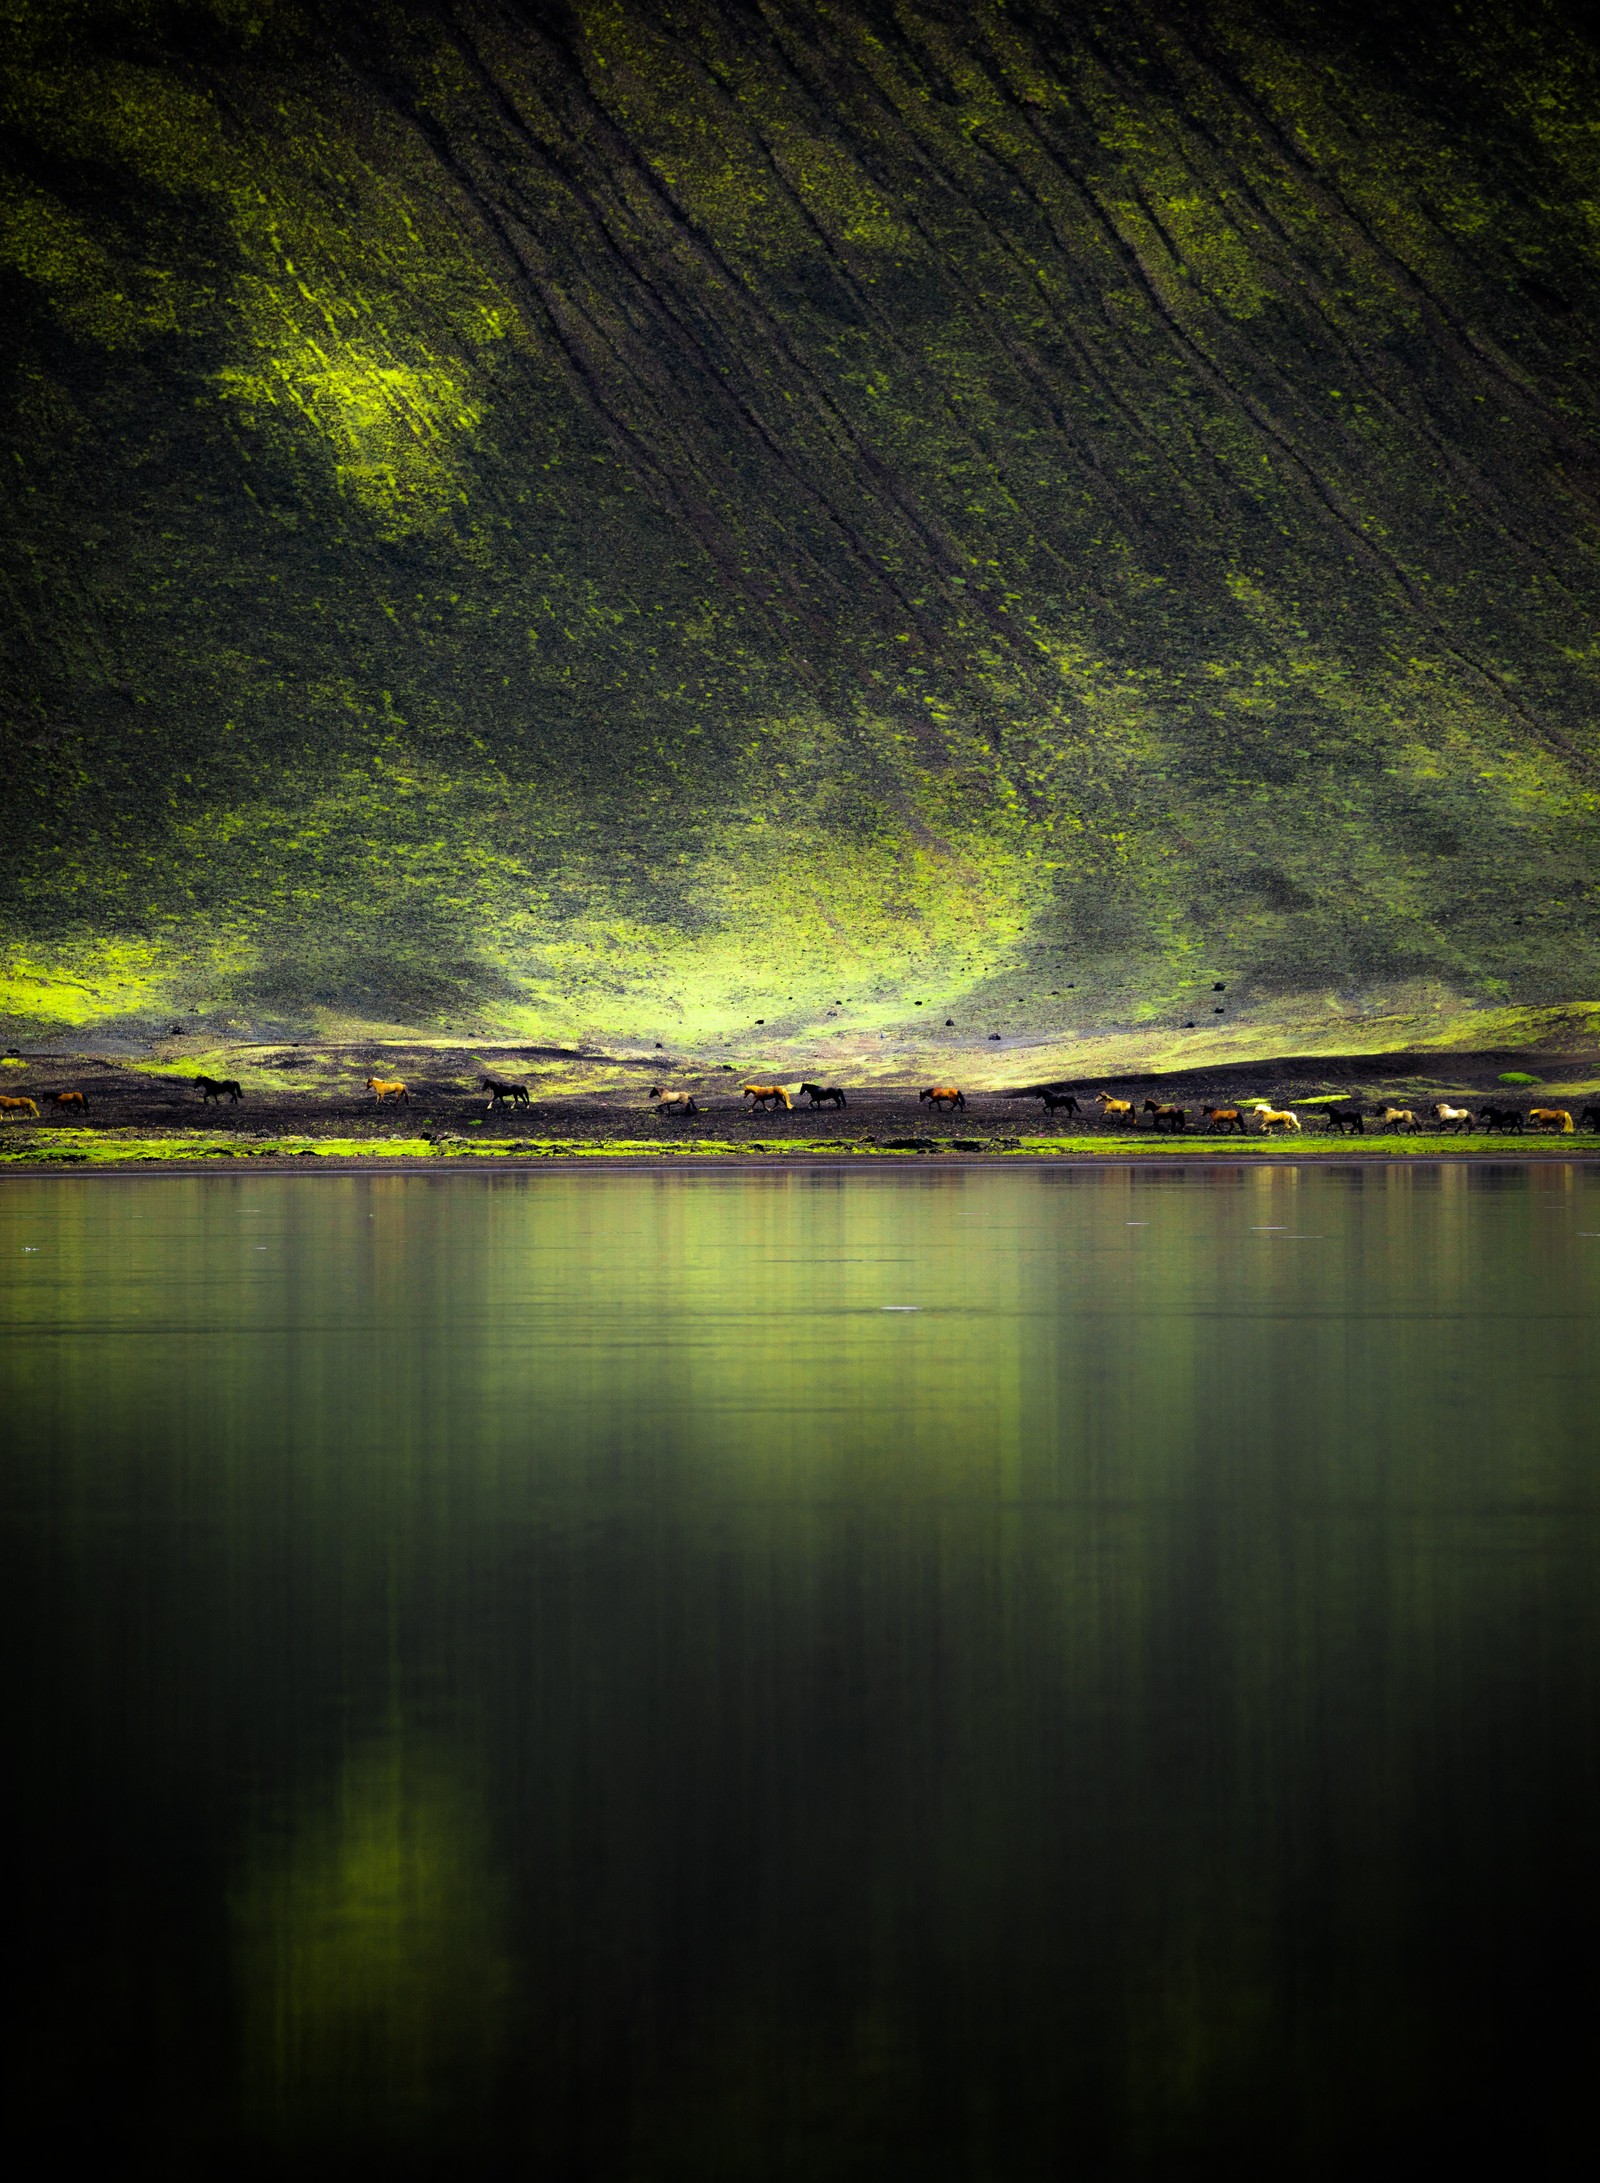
(219, 1088)
(824, 1095)
(1058, 1102)
(1351, 1119)
(1506, 1118)
(1591, 1118)
(499, 1090)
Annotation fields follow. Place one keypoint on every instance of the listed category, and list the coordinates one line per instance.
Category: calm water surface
(972, 1675)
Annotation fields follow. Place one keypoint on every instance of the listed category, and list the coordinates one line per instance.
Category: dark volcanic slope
(583, 516)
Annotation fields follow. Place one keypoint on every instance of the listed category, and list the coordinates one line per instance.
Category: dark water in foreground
(553, 1676)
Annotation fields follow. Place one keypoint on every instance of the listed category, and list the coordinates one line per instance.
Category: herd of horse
(1348, 1118)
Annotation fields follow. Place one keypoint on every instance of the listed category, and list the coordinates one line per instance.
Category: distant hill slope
(626, 519)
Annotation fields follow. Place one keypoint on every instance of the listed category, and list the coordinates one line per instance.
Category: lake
(990, 1674)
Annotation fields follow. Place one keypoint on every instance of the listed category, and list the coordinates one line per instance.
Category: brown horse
(1163, 1115)
(1116, 1110)
(941, 1095)
(768, 1095)
(678, 1102)
(1223, 1118)
(10, 1106)
(498, 1090)
(389, 1087)
(219, 1088)
(68, 1099)
(1551, 1118)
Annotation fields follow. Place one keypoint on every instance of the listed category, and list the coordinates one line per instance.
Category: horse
(1506, 1118)
(1449, 1117)
(68, 1099)
(1396, 1117)
(1165, 1115)
(1116, 1110)
(1591, 1118)
(941, 1095)
(678, 1102)
(1223, 1118)
(1551, 1118)
(389, 1087)
(499, 1090)
(1058, 1102)
(824, 1095)
(10, 1106)
(764, 1095)
(1272, 1118)
(1350, 1118)
(219, 1088)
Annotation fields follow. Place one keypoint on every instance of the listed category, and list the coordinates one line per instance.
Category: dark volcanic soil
(443, 1099)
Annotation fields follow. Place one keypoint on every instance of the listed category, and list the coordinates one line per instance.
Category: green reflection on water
(640, 1703)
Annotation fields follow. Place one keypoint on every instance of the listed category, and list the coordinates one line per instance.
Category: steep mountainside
(620, 520)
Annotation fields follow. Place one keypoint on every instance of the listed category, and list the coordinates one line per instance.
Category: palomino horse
(824, 1095)
(767, 1095)
(499, 1090)
(1272, 1118)
(1449, 1117)
(389, 1087)
(678, 1102)
(1552, 1118)
(942, 1095)
(1116, 1110)
(1396, 1117)
(219, 1088)
(10, 1106)
(1163, 1115)
(68, 1099)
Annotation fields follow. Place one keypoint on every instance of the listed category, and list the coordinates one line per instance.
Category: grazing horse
(824, 1095)
(498, 1090)
(1396, 1117)
(767, 1095)
(219, 1088)
(389, 1087)
(1223, 1118)
(1449, 1117)
(1350, 1118)
(1163, 1115)
(10, 1106)
(1116, 1110)
(68, 1099)
(678, 1102)
(1506, 1118)
(1591, 1118)
(941, 1095)
(1551, 1118)
(1272, 1118)
(1058, 1102)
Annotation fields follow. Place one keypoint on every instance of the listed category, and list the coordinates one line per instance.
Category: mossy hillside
(620, 524)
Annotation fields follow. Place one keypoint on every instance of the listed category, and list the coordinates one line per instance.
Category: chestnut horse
(1163, 1115)
(9, 1106)
(68, 1099)
(1554, 1118)
(1223, 1118)
(941, 1095)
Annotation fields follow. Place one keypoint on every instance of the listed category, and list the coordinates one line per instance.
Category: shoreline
(644, 1160)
